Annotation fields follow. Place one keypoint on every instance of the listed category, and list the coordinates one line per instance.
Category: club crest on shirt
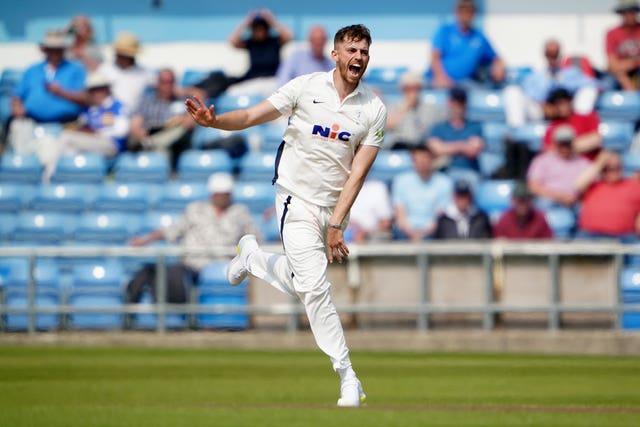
(332, 133)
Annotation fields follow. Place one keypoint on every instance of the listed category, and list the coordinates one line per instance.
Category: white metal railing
(490, 252)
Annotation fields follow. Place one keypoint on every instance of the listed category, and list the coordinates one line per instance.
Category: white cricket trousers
(302, 271)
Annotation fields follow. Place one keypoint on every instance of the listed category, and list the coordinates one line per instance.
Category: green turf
(62, 386)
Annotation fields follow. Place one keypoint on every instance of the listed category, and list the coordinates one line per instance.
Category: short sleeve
(284, 99)
(439, 39)
(375, 135)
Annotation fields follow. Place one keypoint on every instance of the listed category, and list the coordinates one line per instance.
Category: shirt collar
(329, 80)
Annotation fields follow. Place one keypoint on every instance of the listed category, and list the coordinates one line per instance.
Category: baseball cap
(458, 94)
(462, 187)
(220, 182)
(564, 134)
(626, 5)
(558, 94)
(521, 191)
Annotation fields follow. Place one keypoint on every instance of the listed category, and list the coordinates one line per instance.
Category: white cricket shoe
(237, 268)
(351, 393)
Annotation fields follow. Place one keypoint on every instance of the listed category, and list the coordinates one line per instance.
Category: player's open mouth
(355, 69)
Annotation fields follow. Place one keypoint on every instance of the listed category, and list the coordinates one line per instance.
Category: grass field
(63, 386)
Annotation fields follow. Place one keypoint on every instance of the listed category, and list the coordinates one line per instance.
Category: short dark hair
(557, 94)
(352, 32)
(422, 148)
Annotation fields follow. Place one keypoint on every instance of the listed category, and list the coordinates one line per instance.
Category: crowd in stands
(75, 102)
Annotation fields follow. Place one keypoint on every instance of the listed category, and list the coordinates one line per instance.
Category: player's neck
(343, 87)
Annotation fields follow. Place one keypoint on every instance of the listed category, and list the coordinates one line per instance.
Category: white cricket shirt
(323, 134)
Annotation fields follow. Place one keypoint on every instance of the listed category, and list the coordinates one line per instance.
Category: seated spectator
(419, 196)
(161, 123)
(83, 47)
(522, 220)
(102, 128)
(623, 47)
(458, 139)
(462, 55)
(611, 203)
(528, 101)
(410, 119)
(371, 215)
(218, 222)
(462, 219)
(307, 60)
(588, 140)
(128, 79)
(553, 174)
(48, 92)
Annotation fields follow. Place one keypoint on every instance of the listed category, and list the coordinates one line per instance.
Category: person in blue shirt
(457, 138)
(419, 196)
(308, 60)
(461, 54)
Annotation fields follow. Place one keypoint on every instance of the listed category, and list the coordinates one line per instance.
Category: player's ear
(334, 54)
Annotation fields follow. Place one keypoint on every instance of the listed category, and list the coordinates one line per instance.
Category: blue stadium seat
(227, 102)
(530, 133)
(123, 197)
(268, 226)
(619, 105)
(8, 221)
(494, 196)
(385, 78)
(270, 136)
(485, 105)
(192, 76)
(494, 134)
(24, 168)
(9, 79)
(177, 195)
(258, 196)
(436, 97)
(517, 74)
(113, 228)
(64, 197)
(15, 197)
(43, 228)
(97, 285)
(204, 135)
(214, 290)
(631, 162)
(48, 293)
(616, 135)
(257, 166)
(5, 106)
(630, 289)
(85, 167)
(142, 167)
(562, 221)
(198, 165)
(490, 162)
(150, 320)
(389, 164)
(154, 220)
(464, 174)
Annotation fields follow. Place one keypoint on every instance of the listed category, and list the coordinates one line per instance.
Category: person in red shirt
(611, 202)
(522, 220)
(588, 140)
(623, 46)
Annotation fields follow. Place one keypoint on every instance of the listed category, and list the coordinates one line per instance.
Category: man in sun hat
(128, 79)
(47, 92)
(623, 46)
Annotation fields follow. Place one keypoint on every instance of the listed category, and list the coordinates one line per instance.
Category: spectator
(306, 61)
(161, 122)
(461, 54)
(457, 138)
(83, 47)
(419, 196)
(411, 118)
(128, 79)
(553, 174)
(48, 92)
(462, 219)
(522, 220)
(623, 47)
(529, 101)
(588, 140)
(371, 215)
(102, 128)
(218, 222)
(611, 203)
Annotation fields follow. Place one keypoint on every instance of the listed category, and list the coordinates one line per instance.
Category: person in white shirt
(336, 127)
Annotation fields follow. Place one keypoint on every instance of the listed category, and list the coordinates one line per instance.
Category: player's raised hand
(200, 113)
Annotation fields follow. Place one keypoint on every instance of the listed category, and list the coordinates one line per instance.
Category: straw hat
(54, 40)
(96, 80)
(127, 44)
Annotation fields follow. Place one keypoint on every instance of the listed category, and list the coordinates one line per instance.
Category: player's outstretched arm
(233, 120)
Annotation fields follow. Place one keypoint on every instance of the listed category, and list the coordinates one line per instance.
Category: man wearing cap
(128, 79)
(102, 128)
(461, 54)
(623, 46)
(461, 219)
(553, 174)
(411, 118)
(49, 91)
(457, 138)
(216, 222)
(522, 220)
(588, 140)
